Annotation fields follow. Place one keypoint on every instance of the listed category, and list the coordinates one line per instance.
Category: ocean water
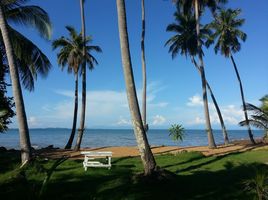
(116, 137)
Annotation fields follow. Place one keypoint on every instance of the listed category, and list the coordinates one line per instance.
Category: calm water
(111, 137)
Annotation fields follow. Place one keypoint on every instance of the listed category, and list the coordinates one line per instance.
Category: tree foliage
(226, 31)
(30, 59)
(6, 103)
(258, 184)
(259, 115)
(176, 132)
(71, 51)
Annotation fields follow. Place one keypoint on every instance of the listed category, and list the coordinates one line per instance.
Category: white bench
(90, 156)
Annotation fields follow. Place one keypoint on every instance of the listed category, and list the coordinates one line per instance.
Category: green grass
(197, 177)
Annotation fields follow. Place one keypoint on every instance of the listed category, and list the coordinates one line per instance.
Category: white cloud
(195, 100)
(123, 121)
(158, 120)
(104, 107)
(32, 121)
(231, 114)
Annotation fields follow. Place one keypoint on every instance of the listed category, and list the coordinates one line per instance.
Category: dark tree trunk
(144, 76)
(243, 101)
(211, 141)
(84, 84)
(70, 141)
(25, 143)
(147, 157)
(224, 132)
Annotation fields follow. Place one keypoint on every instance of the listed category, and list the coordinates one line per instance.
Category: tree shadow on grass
(72, 182)
(118, 184)
(8, 160)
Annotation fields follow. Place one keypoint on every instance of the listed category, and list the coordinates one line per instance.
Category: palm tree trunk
(84, 84)
(145, 125)
(17, 93)
(140, 134)
(243, 101)
(224, 132)
(70, 141)
(211, 141)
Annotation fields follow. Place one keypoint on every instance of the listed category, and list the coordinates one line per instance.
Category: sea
(58, 137)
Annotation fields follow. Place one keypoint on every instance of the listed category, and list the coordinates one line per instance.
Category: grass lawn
(197, 177)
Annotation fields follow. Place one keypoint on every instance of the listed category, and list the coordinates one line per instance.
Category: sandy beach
(132, 151)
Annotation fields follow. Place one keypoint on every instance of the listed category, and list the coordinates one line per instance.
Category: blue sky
(174, 86)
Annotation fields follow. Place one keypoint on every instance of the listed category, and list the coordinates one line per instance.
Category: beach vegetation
(23, 65)
(71, 55)
(176, 132)
(227, 36)
(197, 8)
(6, 103)
(184, 42)
(259, 116)
(146, 154)
(84, 79)
(258, 184)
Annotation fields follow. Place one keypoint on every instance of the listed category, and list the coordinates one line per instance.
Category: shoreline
(132, 151)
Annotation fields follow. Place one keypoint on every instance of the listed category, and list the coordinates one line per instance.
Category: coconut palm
(197, 7)
(227, 36)
(71, 54)
(259, 116)
(144, 76)
(84, 79)
(147, 157)
(184, 42)
(17, 93)
(30, 59)
(29, 65)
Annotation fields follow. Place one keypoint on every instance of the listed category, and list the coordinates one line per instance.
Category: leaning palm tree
(17, 93)
(71, 54)
(147, 157)
(144, 75)
(84, 80)
(184, 42)
(226, 26)
(198, 7)
(30, 65)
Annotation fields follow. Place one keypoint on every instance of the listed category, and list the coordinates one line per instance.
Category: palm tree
(30, 59)
(147, 157)
(185, 42)
(259, 116)
(144, 76)
(30, 65)
(197, 6)
(84, 79)
(17, 93)
(227, 33)
(70, 54)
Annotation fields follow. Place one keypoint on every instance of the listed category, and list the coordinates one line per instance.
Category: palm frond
(31, 16)
(226, 31)
(30, 59)
(71, 51)
(254, 123)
